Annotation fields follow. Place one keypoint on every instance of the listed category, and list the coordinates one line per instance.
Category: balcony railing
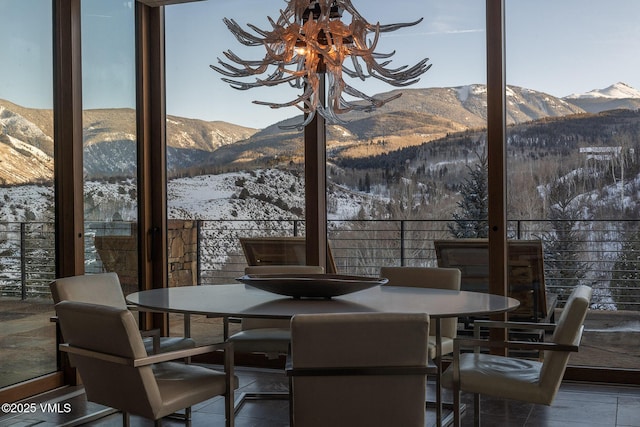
(603, 254)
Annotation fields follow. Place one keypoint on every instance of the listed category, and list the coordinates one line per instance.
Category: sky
(560, 47)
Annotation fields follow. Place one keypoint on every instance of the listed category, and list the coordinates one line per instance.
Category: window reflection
(109, 125)
(26, 191)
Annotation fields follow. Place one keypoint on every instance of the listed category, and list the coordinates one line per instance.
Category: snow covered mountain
(616, 96)
(617, 91)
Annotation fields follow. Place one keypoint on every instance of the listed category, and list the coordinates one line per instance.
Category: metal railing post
(402, 229)
(23, 260)
(198, 248)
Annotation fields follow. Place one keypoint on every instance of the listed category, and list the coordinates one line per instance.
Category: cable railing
(601, 253)
(604, 254)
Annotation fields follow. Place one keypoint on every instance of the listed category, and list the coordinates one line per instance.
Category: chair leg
(476, 409)
(291, 421)
(229, 392)
(229, 413)
(456, 407)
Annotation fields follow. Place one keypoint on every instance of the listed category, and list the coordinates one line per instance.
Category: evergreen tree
(562, 245)
(471, 219)
(367, 183)
(625, 278)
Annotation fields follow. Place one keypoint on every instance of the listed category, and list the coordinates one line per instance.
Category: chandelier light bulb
(310, 42)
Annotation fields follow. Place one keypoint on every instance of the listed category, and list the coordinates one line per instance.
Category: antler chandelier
(310, 41)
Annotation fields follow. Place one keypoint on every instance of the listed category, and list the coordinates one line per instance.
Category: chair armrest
(513, 325)
(187, 318)
(150, 333)
(515, 345)
(155, 358)
(188, 352)
(155, 336)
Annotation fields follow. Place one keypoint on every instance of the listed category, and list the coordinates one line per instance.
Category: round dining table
(244, 301)
(240, 300)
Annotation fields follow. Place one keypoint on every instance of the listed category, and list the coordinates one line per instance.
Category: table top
(239, 300)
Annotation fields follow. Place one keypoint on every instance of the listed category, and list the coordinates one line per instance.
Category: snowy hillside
(262, 194)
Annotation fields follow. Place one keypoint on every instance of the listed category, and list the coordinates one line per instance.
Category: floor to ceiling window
(109, 133)
(233, 172)
(27, 250)
(573, 163)
(227, 159)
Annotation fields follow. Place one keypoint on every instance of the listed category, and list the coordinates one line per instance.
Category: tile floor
(584, 405)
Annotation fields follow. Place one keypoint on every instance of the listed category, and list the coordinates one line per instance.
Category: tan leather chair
(437, 278)
(105, 289)
(105, 345)
(358, 369)
(269, 336)
(519, 379)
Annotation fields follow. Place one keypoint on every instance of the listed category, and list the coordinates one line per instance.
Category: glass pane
(207, 121)
(27, 243)
(240, 175)
(109, 124)
(573, 165)
(393, 179)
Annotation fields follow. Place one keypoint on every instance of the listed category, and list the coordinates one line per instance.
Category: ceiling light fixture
(310, 41)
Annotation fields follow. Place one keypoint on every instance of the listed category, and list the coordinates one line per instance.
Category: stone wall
(183, 253)
(119, 253)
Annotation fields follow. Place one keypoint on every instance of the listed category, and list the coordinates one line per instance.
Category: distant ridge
(198, 146)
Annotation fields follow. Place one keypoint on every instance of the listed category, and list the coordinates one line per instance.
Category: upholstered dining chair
(437, 278)
(532, 381)
(268, 336)
(105, 345)
(105, 289)
(358, 369)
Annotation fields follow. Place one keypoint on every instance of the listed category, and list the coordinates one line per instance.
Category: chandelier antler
(309, 41)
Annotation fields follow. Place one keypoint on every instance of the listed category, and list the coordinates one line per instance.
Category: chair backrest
(425, 277)
(568, 331)
(250, 323)
(112, 331)
(280, 250)
(359, 340)
(101, 289)
(525, 271)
